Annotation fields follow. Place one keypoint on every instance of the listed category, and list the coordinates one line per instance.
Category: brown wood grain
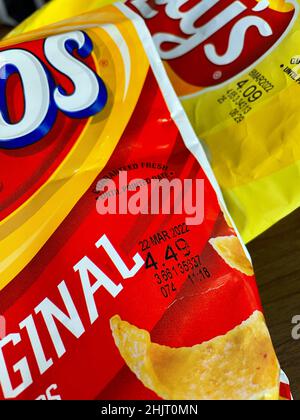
(276, 258)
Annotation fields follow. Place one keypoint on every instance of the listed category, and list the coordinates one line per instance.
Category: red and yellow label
(50, 175)
(220, 38)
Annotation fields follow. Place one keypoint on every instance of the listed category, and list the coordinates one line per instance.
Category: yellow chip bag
(204, 371)
(236, 66)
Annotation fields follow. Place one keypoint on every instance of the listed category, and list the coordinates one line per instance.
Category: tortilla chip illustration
(231, 250)
(240, 365)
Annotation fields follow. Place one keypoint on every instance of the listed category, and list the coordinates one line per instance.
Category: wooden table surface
(276, 258)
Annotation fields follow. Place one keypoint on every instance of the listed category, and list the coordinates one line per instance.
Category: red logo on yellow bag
(205, 43)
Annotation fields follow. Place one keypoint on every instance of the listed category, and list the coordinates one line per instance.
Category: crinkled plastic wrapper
(235, 64)
(120, 305)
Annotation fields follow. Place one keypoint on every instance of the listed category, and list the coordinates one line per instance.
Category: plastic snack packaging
(131, 304)
(235, 65)
(14, 11)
